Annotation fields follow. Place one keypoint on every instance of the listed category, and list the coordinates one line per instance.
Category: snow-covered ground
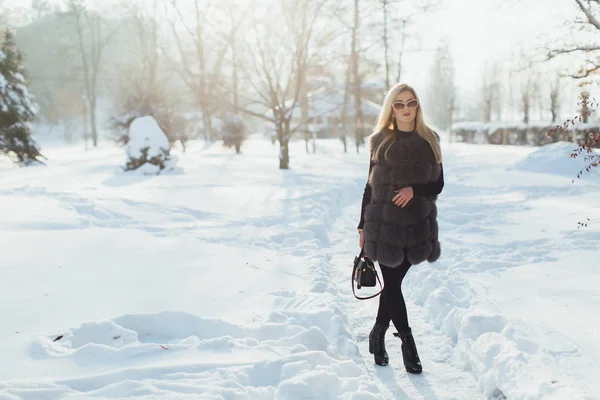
(230, 279)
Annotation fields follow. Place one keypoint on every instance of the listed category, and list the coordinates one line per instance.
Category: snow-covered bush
(233, 131)
(147, 144)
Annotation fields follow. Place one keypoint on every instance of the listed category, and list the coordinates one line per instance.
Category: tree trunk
(525, 110)
(402, 42)
(85, 124)
(385, 41)
(358, 125)
(284, 154)
(93, 121)
(585, 110)
(235, 72)
(206, 120)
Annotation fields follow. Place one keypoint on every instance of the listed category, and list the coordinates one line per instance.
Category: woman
(398, 226)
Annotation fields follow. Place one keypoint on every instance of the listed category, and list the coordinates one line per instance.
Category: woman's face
(405, 107)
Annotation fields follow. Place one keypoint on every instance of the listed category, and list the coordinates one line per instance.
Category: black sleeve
(430, 189)
(366, 199)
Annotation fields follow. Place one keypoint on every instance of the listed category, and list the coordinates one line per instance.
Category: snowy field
(230, 279)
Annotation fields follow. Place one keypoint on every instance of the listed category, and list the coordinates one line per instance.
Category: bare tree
(357, 81)
(5, 12)
(353, 84)
(143, 85)
(529, 90)
(92, 38)
(442, 91)
(403, 36)
(386, 40)
(589, 21)
(200, 61)
(491, 91)
(408, 11)
(555, 99)
(40, 7)
(279, 58)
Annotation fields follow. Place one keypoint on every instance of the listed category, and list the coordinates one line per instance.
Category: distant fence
(520, 134)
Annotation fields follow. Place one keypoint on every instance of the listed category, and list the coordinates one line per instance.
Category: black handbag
(364, 274)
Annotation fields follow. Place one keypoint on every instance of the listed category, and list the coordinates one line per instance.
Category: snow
(556, 159)
(189, 285)
(144, 132)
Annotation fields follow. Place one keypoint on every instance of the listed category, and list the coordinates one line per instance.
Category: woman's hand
(361, 239)
(403, 196)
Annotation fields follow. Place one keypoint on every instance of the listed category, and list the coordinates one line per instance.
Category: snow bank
(555, 158)
(510, 333)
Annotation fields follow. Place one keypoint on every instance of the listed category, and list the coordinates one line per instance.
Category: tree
(4, 13)
(357, 81)
(40, 7)
(353, 82)
(529, 90)
(143, 88)
(91, 42)
(588, 21)
(555, 99)
(490, 92)
(442, 92)
(284, 44)
(17, 106)
(409, 11)
(201, 54)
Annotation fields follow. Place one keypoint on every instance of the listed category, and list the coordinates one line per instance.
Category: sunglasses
(398, 105)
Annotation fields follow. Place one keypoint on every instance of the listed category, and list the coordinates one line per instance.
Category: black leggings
(391, 302)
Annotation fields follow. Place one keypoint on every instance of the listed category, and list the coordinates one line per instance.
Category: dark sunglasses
(398, 105)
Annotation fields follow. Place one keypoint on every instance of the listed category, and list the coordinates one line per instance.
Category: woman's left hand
(403, 196)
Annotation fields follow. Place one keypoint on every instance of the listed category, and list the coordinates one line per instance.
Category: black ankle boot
(377, 344)
(412, 363)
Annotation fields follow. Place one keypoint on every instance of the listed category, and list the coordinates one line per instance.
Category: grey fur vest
(391, 232)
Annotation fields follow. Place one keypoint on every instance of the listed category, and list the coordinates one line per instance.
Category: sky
(484, 30)
(480, 31)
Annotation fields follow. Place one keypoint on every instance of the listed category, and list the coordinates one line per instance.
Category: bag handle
(362, 252)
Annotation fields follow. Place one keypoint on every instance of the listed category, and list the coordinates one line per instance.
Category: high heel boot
(412, 363)
(377, 344)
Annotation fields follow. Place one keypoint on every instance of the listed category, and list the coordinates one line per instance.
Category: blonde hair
(386, 119)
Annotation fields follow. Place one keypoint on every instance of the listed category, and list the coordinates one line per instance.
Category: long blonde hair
(386, 119)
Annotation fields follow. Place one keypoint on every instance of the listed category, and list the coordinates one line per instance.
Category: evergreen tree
(17, 106)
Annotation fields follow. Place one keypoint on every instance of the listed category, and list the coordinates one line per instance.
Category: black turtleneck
(424, 189)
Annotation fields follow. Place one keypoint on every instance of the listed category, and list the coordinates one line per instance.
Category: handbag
(364, 274)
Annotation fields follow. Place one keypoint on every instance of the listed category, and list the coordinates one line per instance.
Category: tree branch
(588, 13)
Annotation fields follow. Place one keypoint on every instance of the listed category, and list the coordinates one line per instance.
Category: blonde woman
(398, 225)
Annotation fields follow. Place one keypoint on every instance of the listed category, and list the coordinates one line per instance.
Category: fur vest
(392, 232)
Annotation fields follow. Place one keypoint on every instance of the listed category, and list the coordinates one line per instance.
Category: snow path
(442, 378)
